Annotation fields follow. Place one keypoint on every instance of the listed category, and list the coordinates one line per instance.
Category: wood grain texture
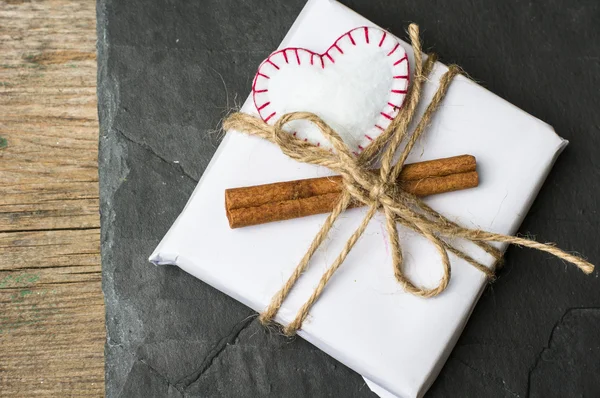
(51, 306)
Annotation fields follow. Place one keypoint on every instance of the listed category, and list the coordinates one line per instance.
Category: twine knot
(379, 193)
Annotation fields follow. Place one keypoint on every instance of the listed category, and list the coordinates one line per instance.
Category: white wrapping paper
(398, 342)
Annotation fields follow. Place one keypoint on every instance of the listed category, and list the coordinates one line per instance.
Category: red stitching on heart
(383, 38)
(402, 60)
(395, 101)
(260, 108)
(269, 117)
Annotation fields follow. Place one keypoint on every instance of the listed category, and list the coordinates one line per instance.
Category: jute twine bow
(379, 192)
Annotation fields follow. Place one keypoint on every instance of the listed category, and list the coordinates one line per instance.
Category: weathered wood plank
(81, 213)
(47, 192)
(52, 250)
(51, 306)
(50, 337)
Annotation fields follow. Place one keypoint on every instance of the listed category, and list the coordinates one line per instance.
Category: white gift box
(364, 319)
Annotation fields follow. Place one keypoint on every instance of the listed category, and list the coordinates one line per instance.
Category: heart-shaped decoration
(357, 86)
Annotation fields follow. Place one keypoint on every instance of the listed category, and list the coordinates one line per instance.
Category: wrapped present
(355, 78)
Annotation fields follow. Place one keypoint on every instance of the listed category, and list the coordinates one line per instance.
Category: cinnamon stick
(292, 199)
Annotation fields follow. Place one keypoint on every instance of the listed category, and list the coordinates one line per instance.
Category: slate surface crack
(538, 357)
(157, 373)
(149, 149)
(488, 376)
(214, 353)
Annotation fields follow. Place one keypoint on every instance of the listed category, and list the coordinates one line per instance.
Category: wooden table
(51, 306)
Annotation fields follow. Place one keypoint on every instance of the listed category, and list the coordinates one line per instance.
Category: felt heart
(357, 86)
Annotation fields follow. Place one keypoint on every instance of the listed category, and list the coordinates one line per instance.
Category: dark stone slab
(169, 71)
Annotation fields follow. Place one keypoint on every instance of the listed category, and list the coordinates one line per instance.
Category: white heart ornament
(357, 86)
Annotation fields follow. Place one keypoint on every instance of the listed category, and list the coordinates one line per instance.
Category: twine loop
(379, 193)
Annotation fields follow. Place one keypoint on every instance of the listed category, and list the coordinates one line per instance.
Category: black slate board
(168, 71)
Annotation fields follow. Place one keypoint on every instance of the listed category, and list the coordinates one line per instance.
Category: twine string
(378, 192)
